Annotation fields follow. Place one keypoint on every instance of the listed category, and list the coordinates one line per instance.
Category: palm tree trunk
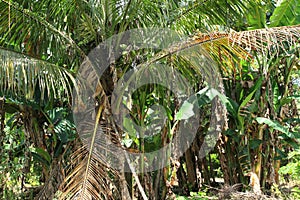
(224, 159)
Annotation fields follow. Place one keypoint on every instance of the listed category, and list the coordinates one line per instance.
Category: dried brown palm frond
(269, 39)
(88, 177)
(241, 43)
(259, 40)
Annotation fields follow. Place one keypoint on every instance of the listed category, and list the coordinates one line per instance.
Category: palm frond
(33, 78)
(287, 12)
(269, 39)
(89, 175)
(14, 17)
(35, 29)
(87, 178)
(205, 15)
(214, 44)
(240, 43)
(229, 48)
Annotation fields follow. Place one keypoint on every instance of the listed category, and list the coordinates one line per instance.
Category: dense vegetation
(254, 46)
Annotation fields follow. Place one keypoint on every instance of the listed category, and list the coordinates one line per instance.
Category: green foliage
(293, 167)
(42, 156)
(273, 124)
(286, 13)
(18, 169)
(292, 172)
(256, 15)
(61, 123)
(286, 133)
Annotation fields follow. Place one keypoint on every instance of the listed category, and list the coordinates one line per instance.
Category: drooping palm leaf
(89, 175)
(88, 179)
(14, 15)
(33, 78)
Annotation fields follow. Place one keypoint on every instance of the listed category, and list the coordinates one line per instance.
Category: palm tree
(43, 44)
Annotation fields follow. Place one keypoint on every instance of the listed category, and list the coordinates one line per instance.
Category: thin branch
(136, 177)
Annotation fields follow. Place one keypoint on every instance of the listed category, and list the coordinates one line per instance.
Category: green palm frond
(33, 78)
(13, 15)
(287, 12)
(207, 15)
(35, 29)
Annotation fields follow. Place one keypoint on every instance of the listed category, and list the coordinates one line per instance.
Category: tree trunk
(191, 169)
(182, 181)
(224, 159)
(56, 176)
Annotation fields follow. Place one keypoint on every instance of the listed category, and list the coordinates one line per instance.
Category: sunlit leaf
(185, 111)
